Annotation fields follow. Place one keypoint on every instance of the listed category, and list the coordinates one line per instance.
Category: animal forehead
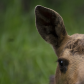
(76, 44)
(77, 36)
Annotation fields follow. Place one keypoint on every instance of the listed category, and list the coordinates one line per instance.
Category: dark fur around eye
(63, 64)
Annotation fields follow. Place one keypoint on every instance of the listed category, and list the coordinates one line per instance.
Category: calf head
(69, 49)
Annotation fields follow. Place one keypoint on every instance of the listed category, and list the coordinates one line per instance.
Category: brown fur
(69, 49)
(76, 46)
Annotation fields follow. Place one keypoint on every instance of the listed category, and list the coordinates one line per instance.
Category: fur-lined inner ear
(50, 25)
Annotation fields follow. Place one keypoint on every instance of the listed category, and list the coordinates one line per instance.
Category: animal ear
(50, 25)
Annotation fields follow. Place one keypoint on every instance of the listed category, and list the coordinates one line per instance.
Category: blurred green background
(25, 58)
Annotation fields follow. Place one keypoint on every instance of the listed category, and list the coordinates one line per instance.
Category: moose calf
(69, 49)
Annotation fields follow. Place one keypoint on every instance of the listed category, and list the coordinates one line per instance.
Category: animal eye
(63, 63)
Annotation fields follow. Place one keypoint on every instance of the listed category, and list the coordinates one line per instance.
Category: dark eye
(63, 64)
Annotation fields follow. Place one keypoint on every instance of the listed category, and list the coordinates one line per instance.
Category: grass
(24, 57)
